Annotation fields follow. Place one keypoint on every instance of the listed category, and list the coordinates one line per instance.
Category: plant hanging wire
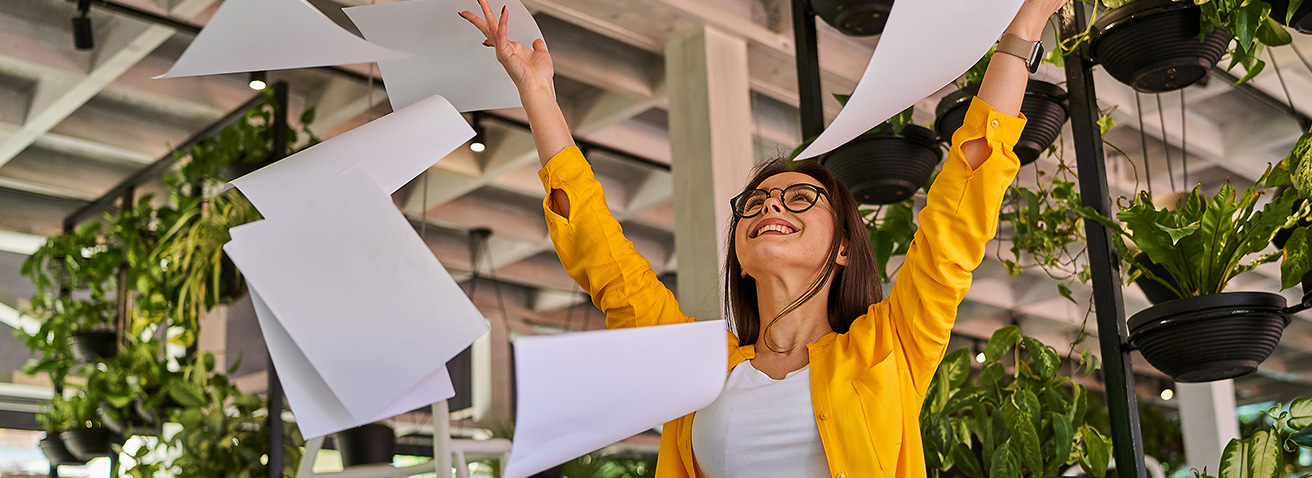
(1143, 142)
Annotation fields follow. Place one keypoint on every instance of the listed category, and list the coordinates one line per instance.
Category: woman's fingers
(478, 22)
(501, 26)
(490, 19)
(539, 45)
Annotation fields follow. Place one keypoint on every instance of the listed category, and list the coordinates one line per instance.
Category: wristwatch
(1030, 51)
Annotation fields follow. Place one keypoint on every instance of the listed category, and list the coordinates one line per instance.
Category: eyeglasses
(797, 198)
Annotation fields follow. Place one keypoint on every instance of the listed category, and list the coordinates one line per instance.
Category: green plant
(57, 416)
(1029, 423)
(1294, 174)
(1045, 230)
(1203, 241)
(1262, 454)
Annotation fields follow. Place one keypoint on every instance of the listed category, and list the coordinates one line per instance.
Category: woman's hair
(855, 286)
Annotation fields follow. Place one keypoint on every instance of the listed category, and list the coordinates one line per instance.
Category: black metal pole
(124, 298)
(810, 99)
(275, 388)
(1104, 263)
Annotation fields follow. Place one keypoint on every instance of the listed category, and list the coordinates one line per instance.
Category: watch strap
(1019, 47)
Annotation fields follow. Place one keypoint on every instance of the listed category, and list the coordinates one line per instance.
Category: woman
(825, 379)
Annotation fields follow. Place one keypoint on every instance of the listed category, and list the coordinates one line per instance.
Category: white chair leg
(442, 438)
(462, 467)
(312, 446)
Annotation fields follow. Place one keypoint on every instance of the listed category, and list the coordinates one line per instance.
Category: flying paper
(582, 391)
(449, 57)
(260, 35)
(910, 63)
(394, 149)
(359, 316)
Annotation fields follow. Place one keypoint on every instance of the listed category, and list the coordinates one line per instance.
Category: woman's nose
(775, 204)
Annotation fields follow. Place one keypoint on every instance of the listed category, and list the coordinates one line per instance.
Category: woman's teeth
(773, 227)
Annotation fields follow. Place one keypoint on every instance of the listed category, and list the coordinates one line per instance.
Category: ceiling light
(259, 80)
(82, 38)
(1167, 394)
(479, 143)
(979, 357)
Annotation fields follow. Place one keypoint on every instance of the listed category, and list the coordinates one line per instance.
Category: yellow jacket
(867, 385)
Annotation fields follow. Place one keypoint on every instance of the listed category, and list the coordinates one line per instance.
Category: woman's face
(781, 242)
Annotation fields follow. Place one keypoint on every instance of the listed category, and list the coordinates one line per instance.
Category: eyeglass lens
(797, 198)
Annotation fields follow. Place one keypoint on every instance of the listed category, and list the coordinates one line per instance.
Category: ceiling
(73, 124)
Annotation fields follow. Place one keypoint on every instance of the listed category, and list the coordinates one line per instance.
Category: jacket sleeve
(959, 218)
(592, 247)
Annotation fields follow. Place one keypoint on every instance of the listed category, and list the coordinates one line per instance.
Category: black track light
(259, 80)
(82, 37)
(479, 143)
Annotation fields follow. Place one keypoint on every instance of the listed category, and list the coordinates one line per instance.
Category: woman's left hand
(1032, 16)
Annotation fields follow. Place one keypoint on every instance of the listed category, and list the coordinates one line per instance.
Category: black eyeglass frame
(733, 202)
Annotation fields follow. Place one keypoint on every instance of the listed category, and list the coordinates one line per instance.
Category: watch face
(1036, 56)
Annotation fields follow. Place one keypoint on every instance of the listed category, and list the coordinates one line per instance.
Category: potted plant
(86, 437)
(1164, 45)
(1044, 232)
(858, 18)
(1045, 106)
(1293, 177)
(76, 276)
(1207, 334)
(1262, 454)
(369, 444)
(1026, 423)
(886, 164)
(1299, 18)
(56, 418)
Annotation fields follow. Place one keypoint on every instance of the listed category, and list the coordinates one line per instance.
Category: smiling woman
(832, 383)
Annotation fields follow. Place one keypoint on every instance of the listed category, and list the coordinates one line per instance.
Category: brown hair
(855, 286)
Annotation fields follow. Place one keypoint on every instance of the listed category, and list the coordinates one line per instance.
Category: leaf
(1297, 258)
(1293, 8)
(956, 367)
(1178, 233)
(1105, 124)
(1063, 439)
(186, 394)
(1024, 438)
(965, 460)
(1299, 163)
(1005, 464)
(1272, 33)
(1300, 413)
(307, 117)
(1097, 452)
(1001, 343)
(1303, 438)
(1043, 359)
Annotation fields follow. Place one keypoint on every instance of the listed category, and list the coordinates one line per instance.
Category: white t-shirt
(760, 427)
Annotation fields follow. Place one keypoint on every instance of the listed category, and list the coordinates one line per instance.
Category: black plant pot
(370, 444)
(1045, 106)
(56, 452)
(94, 346)
(1302, 17)
(1210, 337)
(1153, 45)
(1155, 291)
(883, 168)
(858, 18)
(88, 443)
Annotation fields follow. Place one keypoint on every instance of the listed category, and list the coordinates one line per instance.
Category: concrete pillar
(711, 143)
(1207, 415)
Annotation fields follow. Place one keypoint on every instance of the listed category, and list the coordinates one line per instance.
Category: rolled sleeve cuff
(982, 121)
(567, 166)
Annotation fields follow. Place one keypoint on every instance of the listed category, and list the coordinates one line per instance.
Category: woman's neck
(803, 325)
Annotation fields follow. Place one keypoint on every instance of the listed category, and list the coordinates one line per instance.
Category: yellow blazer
(867, 385)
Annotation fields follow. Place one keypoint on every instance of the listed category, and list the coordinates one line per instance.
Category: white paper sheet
(394, 149)
(580, 392)
(260, 35)
(318, 411)
(449, 58)
(363, 300)
(914, 59)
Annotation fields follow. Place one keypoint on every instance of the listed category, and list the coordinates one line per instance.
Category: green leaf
(1105, 124)
(991, 374)
(1065, 291)
(1177, 233)
(1063, 439)
(1024, 438)
(1272, 33)
(1293, 8)
(1097, 452)
(956, 367)
(1043, 359)
(307, 117)
(1303, 438)
(1005, 464)
(186, 394)
(1001, 343)
(1297, 258)
(965, 460)
(1300, 413)
(1298, 163)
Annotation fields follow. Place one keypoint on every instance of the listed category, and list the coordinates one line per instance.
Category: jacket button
(994, 123)
(825, 416)
(840, 475)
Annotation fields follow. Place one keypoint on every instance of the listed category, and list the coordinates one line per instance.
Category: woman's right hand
(529, 68)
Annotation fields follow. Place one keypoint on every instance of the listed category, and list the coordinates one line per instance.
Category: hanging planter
(880, 167)
(1210, 337)
(94, 346)
(858, 18)
(1302, 20)
(88, 443)
(55, 451)
(1045, 106)
(1153, 45)
(370, 444)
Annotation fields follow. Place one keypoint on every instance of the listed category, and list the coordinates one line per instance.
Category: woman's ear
(842, 254)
